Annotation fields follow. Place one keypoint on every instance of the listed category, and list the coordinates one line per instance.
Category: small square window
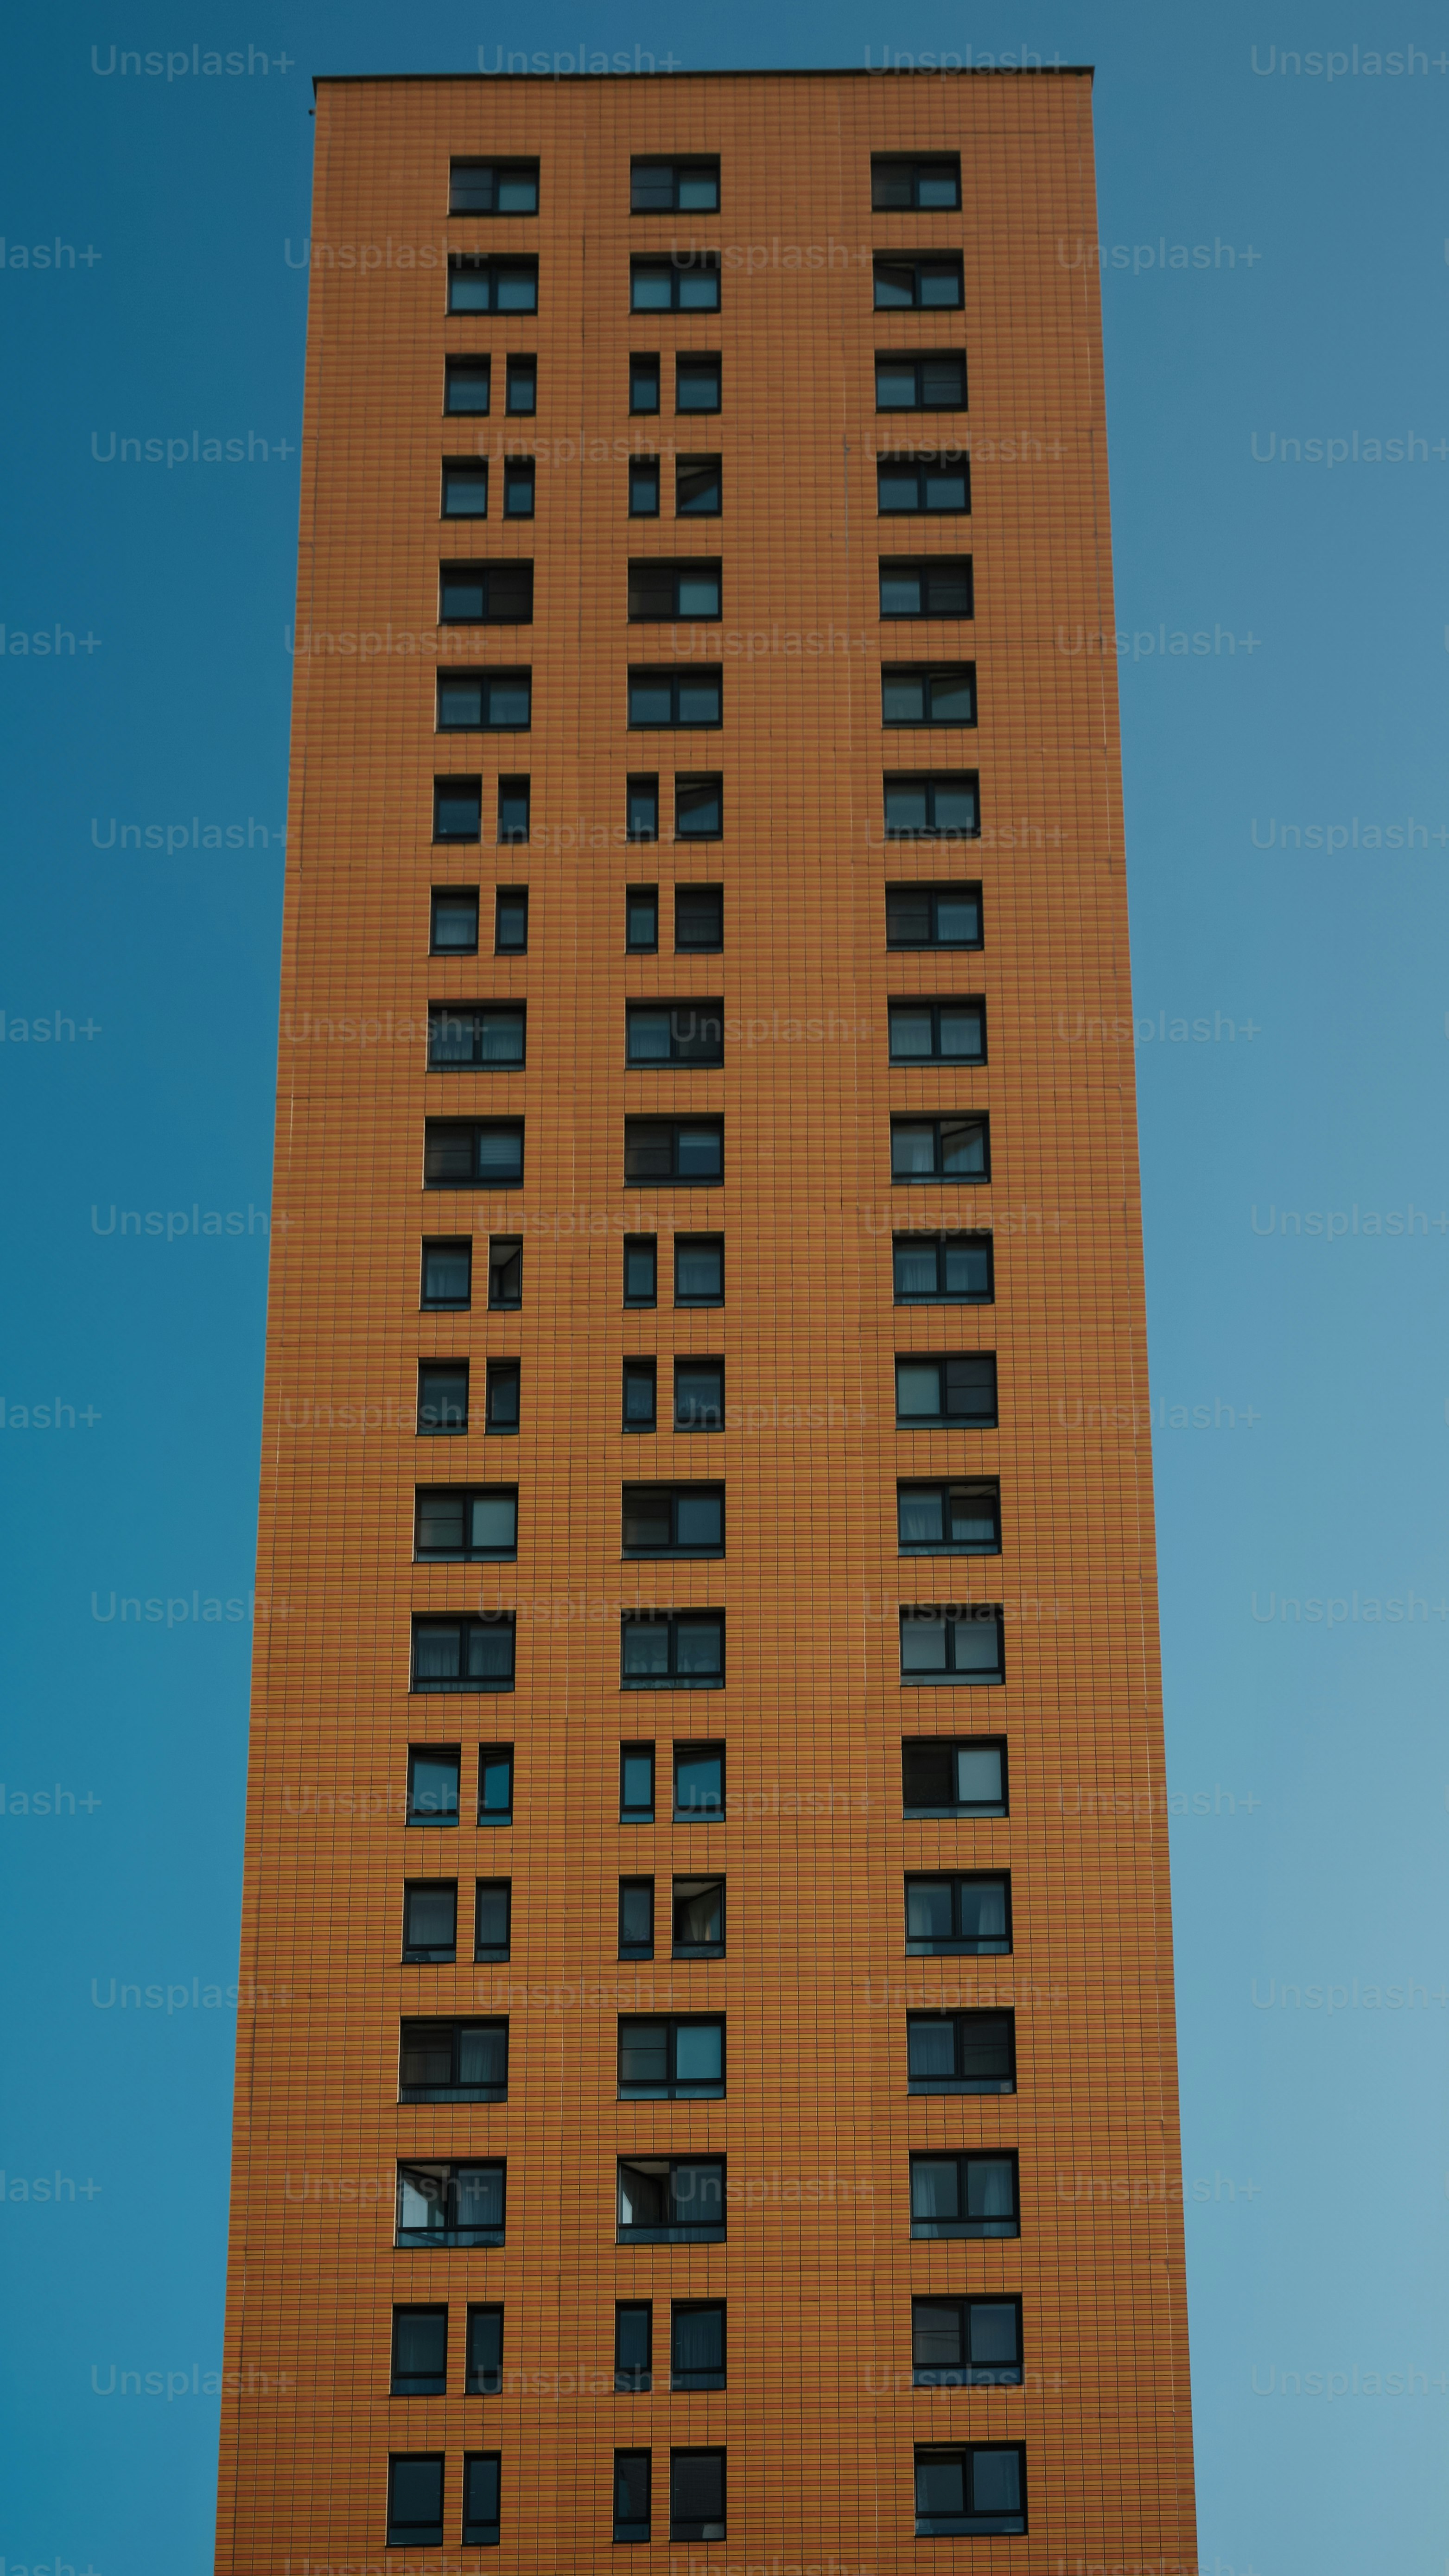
(415, 2500)
(643, 381)
(698, 920)
(636, 1918)
(482, 2479)
(419, 2352)
(946, 806)
(965, 2195)
(522, 383)
(672, 1650)
(631, 2495)
(642, 812)
(503, 1384)
(952, 1642)
(943, 1269)
(962, 2052)
(699, 1270)
(639, 1395)
(697, 2492)
(933, 916)
(513, 809)
(505, 1270)
(455, 921)
(485, 2353)
(942, 1776)
(430, 1920)
(670, 2059)
(450, 2204)
(643, 487)
(472, 1153)
(961, 1917)
(699, 1784)
(448, 1275)
(633, 2349)
(433, 1784)
(979, 2486)
(510, 921)
(492, 1919)
(461, 1524)
(698, 488)
(641, 1270)
(453, 2061)
(636, 1784)
(457, 809)
(641, 919)
(495, 1784)
(467, 385)
(697, 384)
(465, 488)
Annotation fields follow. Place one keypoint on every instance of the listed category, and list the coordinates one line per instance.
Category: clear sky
(1292, 1001)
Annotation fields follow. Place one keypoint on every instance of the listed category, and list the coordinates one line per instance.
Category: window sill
(949, 1681)
(424, 2240)
(963, 2084)
(459, 1689)
(927, 2230)
(967, 2378)
(949, 2526)
(671, 2236)
(958, 1949)
(453, 2093)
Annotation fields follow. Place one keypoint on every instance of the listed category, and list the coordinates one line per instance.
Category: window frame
(686, 465)
(707, 788)
(683, 165)
(634, 2379)
(512, 568)
(454, 2025)
(498, 1623)
(929, 673)
(642, 1948)
(476, 1128)
(672, 1494)
(440, 1756)
(632, 2528)
(444, 1305)
(968, 1808)
(495, 1757)
(676, 677)
(457, 898)
(674, 2088)
(457, 789)
(467, 473)
(706, 1011)
(924, 464)
(693, 1242)
(951, 1617)
(973, 1237)
(983, 2088)
(987, 1486)
(513, 1014)
(437, 2381)
(450, 2236)
(635, 1749)
(675, 2232)
(914, 163)
(969, 2374)
(437, 1368)
(459, 365)
(415, 2535)
(484, 1951)
(918, 360)
(698, 367)
(674, 1179)
(491, 683)
(487, 2381)
(496, 165)
(935, 1004)
(940, 2526)
(973, 2230)
(679, 268)
(493, 269)
(923, 266)
(428, 1954)
(947, 1421)
(959, 1944)
(675, 1624)
(940, 1124)
(478, 2530)
(945, 567)
(468, 1554)
(936, 892)
(675, 569)
(698, 2527)
(933, 782)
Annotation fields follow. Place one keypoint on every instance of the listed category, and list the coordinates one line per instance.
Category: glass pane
(952, 700)
(421, 2201)
(699, 702)
(512, 811)
(921, 1518)
(643, 2197)
(697, 389)
(639, 1273)
(941, 383)
(459, 813)
(978, 1775)
(434, 1786)
(977, 1645)
(450, 1037)
(420, 2345)
(905, 806)
(699, 2053)
(638, 1395)
(649, 1037)
(491, 1930)
(636, 1918)
(490, 1653)
(973, 1518)
(431, 1918)
(908, 918)
(637, 1781)
(698, 1397)
(696, 2195)
(918, 1387)
(482, 2057)
(651, 701)
(971, 1388)
(915, 1269)
(642, 914)
(896, 488)
(699, 1647)
(983, 1908)
(508, 703)
(651, 187)
(936, 2337)
(417, 2494)
(698, 918)
(646, 1648)
(940, 2489)
(495, 1784)
(700, 1520)
(440, 1523)
(479, 2195)
(940, 286)
(923, 1644)
(945, 487)
(455, 925)
(698, 489)
(647, 1521)
(698, 1917)
(701, 1153)
(651, 290)
(517, 194)
(895, 385)
(935, 2187)
(631, 2347)
(990, 2187)
(437, 1654)
(894, 287)
(928, 1776)
(698, 192)
(698, 2487)
(937, 188)
(500, 1153)
(468, 392)
(631, 2487)
(644, 388)
(985, 2047)
(910, 1030)
(928, 1909)
(699, 594)
(522, 389)
(503, 1385)
(993, 2331)
(468, 291)
(931, 2047)
(518, 491)
(510, 922)
(900, 592)
(963, 1149)
(698, 1784)
(644, 2055)
(995, 2481)
(465, 496)
(890, 185)
(516, 291)
(697, 813)
(495, 1521)
(698, 1271)
(500, 1037)
(698, 2339)
(903, 699)
(960, 1026)
(913, 1152)
(968, 1269)
(644, 490)
(485, 2348)
(699, 291)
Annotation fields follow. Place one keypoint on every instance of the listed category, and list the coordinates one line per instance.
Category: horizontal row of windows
(934, 483)
(942, 1778)
(927, 1269)
(685, 1153)
(940, 1642)
(928, 916)
(905, 380)
(955, 1915)
(690, 281)
(956, 1390)
(919, 805)
(899, 183)
(490, 1036)
(660, 589)
(460, 1523)
(691, 694)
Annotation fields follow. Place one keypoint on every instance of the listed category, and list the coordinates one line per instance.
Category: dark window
(643, 381)
(671, 2200)
(457, 809)
(912, 695)
(941, 587)
(433, 1784)
(485, 701)
(477, 594)
(933, 916)
(467, 385)
(952, 1641)
(642, 813)
(968, 1917)
(909, 383)
(932, 1269)
(510, 921)
(419, 2352)
(966, 2052)
(643, 487)
(639, 1395)
(697, 2344)
(697, 384)
(473, 1153)
(685, 281)
(465, 488)
(660, 700)
(964, 2196)
(699, 1923)
(946, 807)
(475, 1036)
(442, 1398)
(461, 1521)
(430, 1916)
(631, 2495)
(698, 809)
(923, 1032)
(636, 1784)
(696, 2495)
(942, 1776)
(641, 1270)
(495, 1784)
(463, 1654)
(698, 1395)
(899, 184)
(949, 1520)
(505, 1270)
(959, 1390)
(698, 1784)
(518, 488)
(636, 1918)
(674, 1033)
(513, 809)
(522, 385)
(485, 2353)
(672, 1650)
(668, 2060)
(455, 921)
(482, 2479)
(493, 1918)
(699, 1270)
(641, 919)
(660, 592)
(493, 188)
(674, 1520)
(478, 285)
(940, 1149)
(981, 2486)
(928, 282)
(448, 1275)
(503, 1383)
(450, 2204)
(686, 1151)
(922, 484)
(698, 919)
(453, 2061)
(697, 487)
(415, 2500)
(674, 187)
(633, 2349)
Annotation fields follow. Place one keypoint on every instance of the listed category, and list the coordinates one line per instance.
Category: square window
(448, 1275)
(636, 1784)
(964, 2052)
(464, 1654)
(463, 1522)
(467, 385)
(966, 1916)
(699, 1270)
(636, 1918)
(639, 1395)
(642, 812)
(697, 2495)
(415, 2500)
(697, 2344)
(419, 2352)
(959, 1391)
(685, 281)
(495, 1784)
(493, 188)
(641, 1270)
(698, 384)
(513, 809)
(942, 1776)
(485, 2353)
(455, 921)
(510, 921)
(671, 2200)
(939, 807)
(522, 384)
(504, 1386)
(433, 1784)
(643, 381)
(698, 808)
(482, 2479)
(940, 1269)
(939, 587)
(465, 488)
(667, 2059)
(493, 1918)
(453, 2061)
(699, 1784)
(698, 919)
(633, 2349)
(965, 2195)
(978, 2487)
(901, 185)
(949, 1519)
(673, 1520)
(697, 487)
(672, 1650)
(912, 693)
(631, 2495)
(505, 1270)
(643, 487)
(952, 1642)
(940, 1149)
(450, 2203)
(430, 1920)
(457, 809)
(933, 916)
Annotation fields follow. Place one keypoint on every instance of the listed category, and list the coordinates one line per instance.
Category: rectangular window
(672, 1650)
(479, 285)
(419, 2352)
(674, 187)
(949, 1520)
(513, 809)
(485, 2353)
(933, 916)
(448, 1275)
(641, 1270)
(671, 2200)
(696, 2495)
(940, 1149)
(685, 1152)
(641, 920)
(945, 807)
(660, 593)
(458, 1522)
(503, 1382)
(433, 1784)
(926, 486)
(415, 2500)
(518, 488)
(957, 1641)
(902, 185)
(473, 1153)
(465, 488)
(923, 1032)
(965, 2052)
(943, 1269)
(467, 385)
(482, 2480)
(639, 1395)
(636, 1784)
(485, 594)
(699, 1270)
(698, 1395)
(463, 1654)
(631, 2495)
(643, 487)
(665, 2059)
(522, 386)
(683, 281)
(636, 1918)
(475, 1036)
(697, 2344)
(430, 1916)
(906, 382)
(698, 808)
(910, 694)
(454, 921)
(442, 1398)
(493, 1918)
(633, 2348)
(505, 1271)
(457, 809)
(966, 2195)
(485, 701)
(959, 1391)
(699, 1922)
(453, 2061)
(667, 700)
(510, 921)
(963, 1917)
(945, 1777)
(495, 1784)
(493, 188)
(698, 384)
(925, 282)
(940, 587)
(643, 380)
(641, 809)
(979, 2486)
(698, 919)
(660, 1034)
(674, 1520)
(699, 1784)
(697, 487)
(448, 2204)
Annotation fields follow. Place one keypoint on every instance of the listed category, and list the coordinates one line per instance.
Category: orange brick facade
(817, 2265)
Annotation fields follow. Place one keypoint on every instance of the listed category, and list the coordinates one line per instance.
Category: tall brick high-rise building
(711, 2089)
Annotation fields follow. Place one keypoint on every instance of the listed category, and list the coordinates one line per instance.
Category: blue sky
(1293, 1038)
